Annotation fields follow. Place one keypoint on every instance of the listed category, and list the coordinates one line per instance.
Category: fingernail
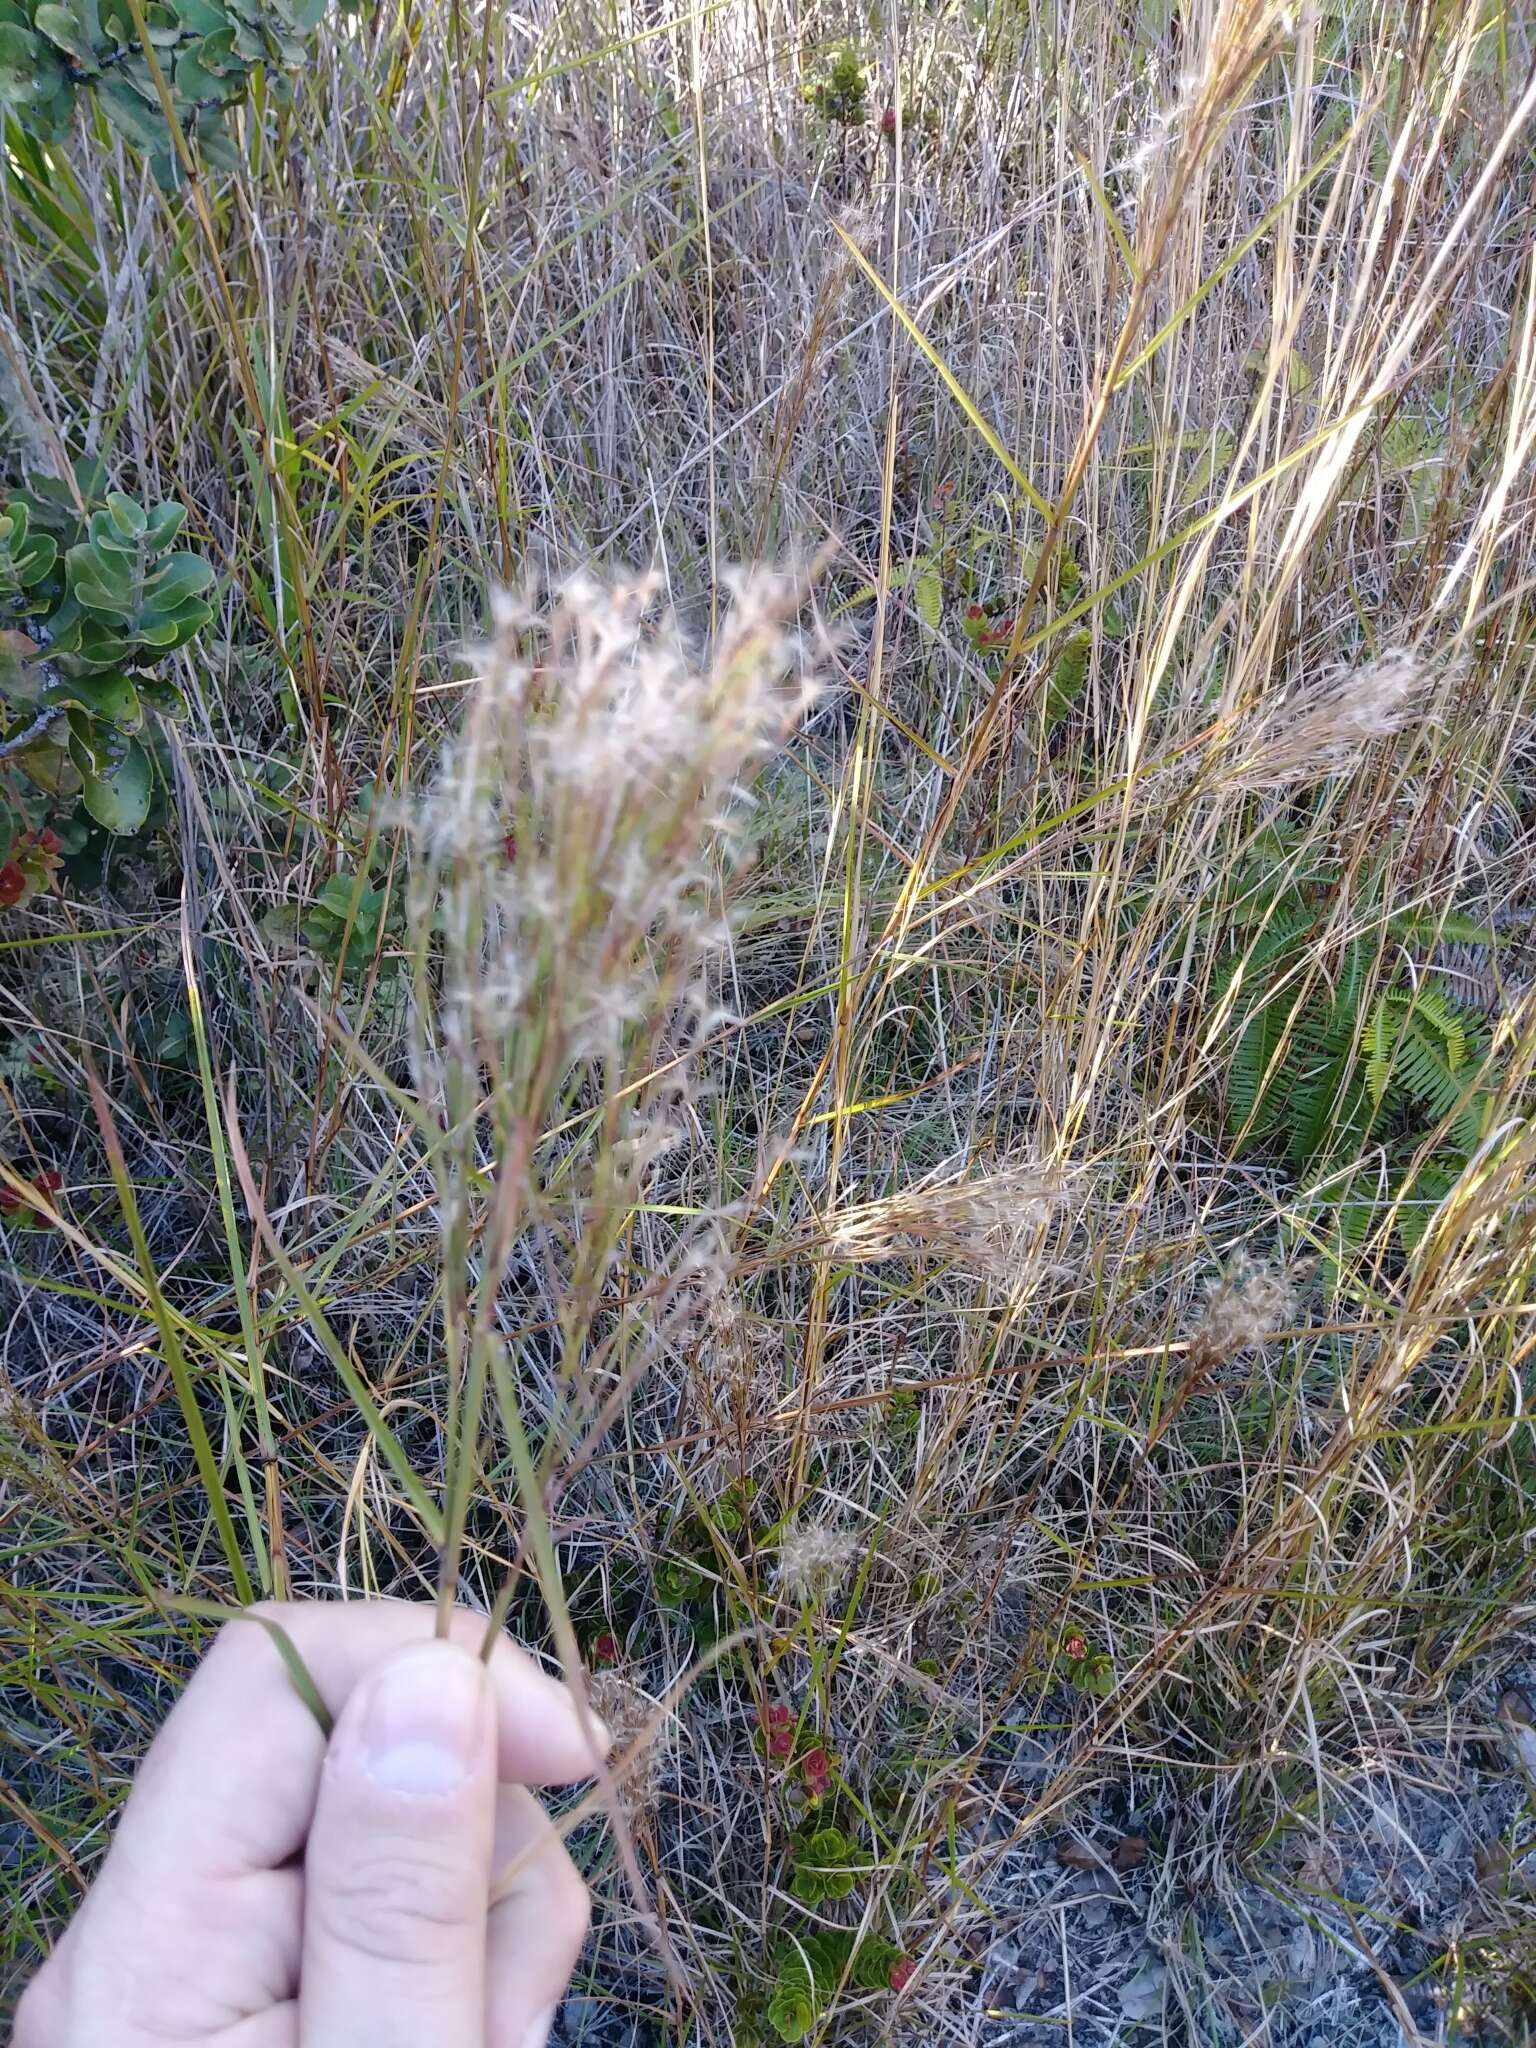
(423, 1719)
(600, 1732)
(539, 2029)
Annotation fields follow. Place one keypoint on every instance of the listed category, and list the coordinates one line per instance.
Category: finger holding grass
(267, 1881)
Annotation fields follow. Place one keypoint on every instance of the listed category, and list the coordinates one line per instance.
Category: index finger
(228, 1785)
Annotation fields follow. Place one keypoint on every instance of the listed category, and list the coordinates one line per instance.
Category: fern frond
(1255, 1083)
(1441, 1011)
(1279, 939)
(1425, 1042)
(1421, 1195)
(1381, 1036)
(1355, 1216)
(1466, 1129)
(1327, 1110)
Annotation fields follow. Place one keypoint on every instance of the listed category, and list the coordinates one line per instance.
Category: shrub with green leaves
(345, 922)
(826, 1866)
(206, 51)
(842, 95)
(808, 1970)
(91, 607)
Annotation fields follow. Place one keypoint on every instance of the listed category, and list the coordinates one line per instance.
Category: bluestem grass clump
(1002, 923)
(568, 892)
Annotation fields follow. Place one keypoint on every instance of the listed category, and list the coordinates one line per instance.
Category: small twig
(1394, 1997)
(20, 740)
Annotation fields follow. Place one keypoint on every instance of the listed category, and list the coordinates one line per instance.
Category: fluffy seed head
(639, 1754)
(815, 1558)
(1324, 729)
(989, 1223)
(1243, 1310)
(574, 845)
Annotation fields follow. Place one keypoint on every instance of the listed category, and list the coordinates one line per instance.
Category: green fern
(1422, 1193)
(1267, 1010)
(1440, 928)
(1350, 1051)
(1418, 1044)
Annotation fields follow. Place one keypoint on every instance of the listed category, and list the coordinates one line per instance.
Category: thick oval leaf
(156, 630)
(20, 680)
(94, 748)
(110, 695)
(64, 27)
(96, 597)
(161, 695)
(164, 524)
(17, 47)
(217, 52)
(142, 126)
(107, 536)
(47, 763)
(98, 581)
(201, 17)
(177, 578)
(93, 644)
(159, 629)
(126, 515)
(194, 81)
(119, 799)
(103, 561)
(35, 559)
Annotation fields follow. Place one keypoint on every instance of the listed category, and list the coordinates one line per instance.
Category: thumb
(397, 1871)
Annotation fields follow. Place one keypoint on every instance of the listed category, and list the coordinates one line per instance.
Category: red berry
(13, 884)
(975, 611)
(888, 121)
(777, 1717)
(50, 842)
(605, 1648)
(781, 1742)
(9, 1199)
(50, 1181)
(902, 1972)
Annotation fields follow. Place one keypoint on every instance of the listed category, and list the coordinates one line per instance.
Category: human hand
(269, 1889)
